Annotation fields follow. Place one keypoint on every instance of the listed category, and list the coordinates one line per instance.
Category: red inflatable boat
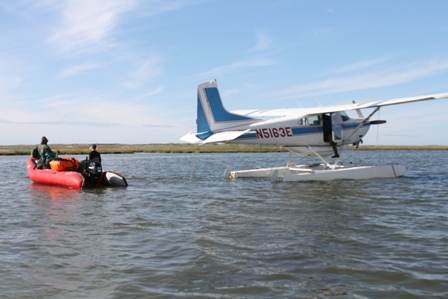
(73, 179)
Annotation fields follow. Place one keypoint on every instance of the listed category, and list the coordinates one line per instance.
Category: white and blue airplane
(319, 131)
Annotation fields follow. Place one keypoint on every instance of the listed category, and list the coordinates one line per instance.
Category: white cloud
(77, 69)
(153, 93)
(63, 111)
(9, 82)
(236, 67)
(388, 77)
(144, 71)
(156, 7)
(357, 66)
(87, 26)
(263, 42)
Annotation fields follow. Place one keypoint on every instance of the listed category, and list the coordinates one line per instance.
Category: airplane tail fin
(214, 119)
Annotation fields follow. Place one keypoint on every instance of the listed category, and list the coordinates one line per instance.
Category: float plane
(321, 132)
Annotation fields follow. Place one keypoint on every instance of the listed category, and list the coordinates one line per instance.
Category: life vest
(64, 164)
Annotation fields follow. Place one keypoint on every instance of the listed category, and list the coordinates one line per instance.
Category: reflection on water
(39, 192)
(181, 231)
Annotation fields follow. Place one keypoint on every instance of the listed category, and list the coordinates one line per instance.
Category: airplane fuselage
(299, 133)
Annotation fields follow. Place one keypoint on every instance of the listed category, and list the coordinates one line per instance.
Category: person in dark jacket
(46, 154)
(94, 155)
(328, 131)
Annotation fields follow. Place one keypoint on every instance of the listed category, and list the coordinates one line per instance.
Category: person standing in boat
(94, 155)
(46, 154)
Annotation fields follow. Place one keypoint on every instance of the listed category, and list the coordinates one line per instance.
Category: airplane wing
(275, 113)
(403, 100)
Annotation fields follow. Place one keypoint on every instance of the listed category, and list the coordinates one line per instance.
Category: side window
(303, 121)
(314, 120)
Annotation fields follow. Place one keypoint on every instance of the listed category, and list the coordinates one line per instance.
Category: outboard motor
(94, 171)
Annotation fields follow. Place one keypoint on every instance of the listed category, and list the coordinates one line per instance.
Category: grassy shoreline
(79, 149)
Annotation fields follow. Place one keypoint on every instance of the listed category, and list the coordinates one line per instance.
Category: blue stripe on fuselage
(298, 131)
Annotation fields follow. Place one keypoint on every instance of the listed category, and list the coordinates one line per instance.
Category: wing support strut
(361, 124)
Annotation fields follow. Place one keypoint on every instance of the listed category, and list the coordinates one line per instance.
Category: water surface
(181, 231)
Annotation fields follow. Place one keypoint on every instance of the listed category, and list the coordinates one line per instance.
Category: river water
(180, 230)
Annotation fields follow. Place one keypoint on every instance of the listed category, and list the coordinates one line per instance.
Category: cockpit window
(344, 115)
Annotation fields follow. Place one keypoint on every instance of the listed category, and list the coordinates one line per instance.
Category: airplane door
(336, 122)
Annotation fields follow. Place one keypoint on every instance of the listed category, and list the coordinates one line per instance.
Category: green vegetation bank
(117, 148)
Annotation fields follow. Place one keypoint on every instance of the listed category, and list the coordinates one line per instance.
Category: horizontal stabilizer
(216, 137)
(225, 136)
(191, 138)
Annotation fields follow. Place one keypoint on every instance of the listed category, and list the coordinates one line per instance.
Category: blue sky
(123, 71)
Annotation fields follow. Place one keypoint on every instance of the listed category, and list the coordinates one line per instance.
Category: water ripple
(181, 231)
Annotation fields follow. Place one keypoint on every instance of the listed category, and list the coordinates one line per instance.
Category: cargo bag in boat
(64, 164)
